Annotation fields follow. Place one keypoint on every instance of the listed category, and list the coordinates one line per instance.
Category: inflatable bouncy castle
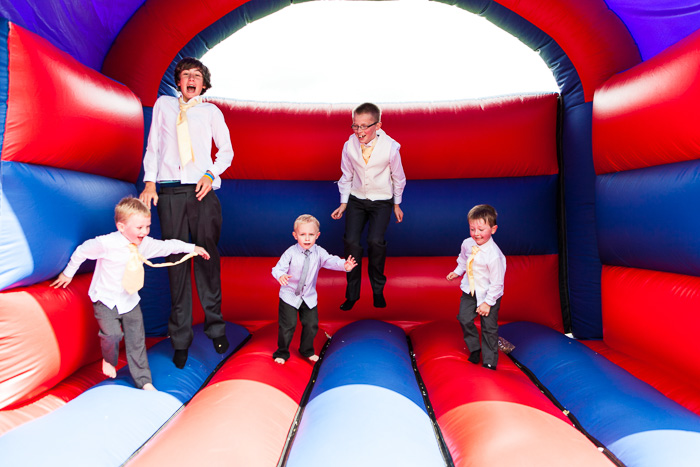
(597, 189)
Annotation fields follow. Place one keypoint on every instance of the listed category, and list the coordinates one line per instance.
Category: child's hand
(202, 252)
(284, 279)
(484, 309)
(61, 281)
(452, 276)
(350, 263)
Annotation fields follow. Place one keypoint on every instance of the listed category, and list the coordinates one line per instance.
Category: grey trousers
(111, 324)
(489, 329)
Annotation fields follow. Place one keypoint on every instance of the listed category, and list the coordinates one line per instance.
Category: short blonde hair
(129, 206)
(306, 219)
(485, 212)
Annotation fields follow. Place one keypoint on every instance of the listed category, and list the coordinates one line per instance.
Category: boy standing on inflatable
(371, 186)
(117, 278)
(178, 157)
(482, 285)
(297, 272)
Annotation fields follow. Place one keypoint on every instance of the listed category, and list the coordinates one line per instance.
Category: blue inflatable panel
(106, 424)
(434, 209)
(46, 214)
(85, 31)
(655, 25)
(366, 407)
(202, 360)
(638, 424)
(645, 217)
(4, 76)
(584, 267)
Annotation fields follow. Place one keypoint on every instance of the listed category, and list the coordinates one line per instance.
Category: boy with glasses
(371, 187)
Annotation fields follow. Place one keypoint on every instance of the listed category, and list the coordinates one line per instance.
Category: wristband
(209, 175)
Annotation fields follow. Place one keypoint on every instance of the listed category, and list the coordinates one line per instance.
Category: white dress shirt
(112, 253)
(162, 159)
(292, 263)
(381, 178)
(489, 268)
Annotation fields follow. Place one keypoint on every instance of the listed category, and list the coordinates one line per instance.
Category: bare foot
(313, 358)
(280, 360)
(108, 369)
(148, 387)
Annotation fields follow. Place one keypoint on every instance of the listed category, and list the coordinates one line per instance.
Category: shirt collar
(301, 250)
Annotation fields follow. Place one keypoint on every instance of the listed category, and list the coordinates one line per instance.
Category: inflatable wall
(595, 189)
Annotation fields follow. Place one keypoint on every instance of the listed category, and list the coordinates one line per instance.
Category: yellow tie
(470, 270)
(133, 274)
(184, 143)
(366, 152)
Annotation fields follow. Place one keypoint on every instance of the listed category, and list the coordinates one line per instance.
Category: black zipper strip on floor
(302, 405)
(202, 386)
(449, 462)
(601, 447)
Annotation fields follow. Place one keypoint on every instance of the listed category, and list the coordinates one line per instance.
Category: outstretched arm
(350, 263)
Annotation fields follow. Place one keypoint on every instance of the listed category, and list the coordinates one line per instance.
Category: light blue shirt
(292, 263)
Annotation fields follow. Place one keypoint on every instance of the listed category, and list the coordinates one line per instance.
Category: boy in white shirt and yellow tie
(179, 159)
(113, 291)
(297, 272)
(371, 187)
(482, 285)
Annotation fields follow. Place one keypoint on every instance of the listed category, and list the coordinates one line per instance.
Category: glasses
(362, 127)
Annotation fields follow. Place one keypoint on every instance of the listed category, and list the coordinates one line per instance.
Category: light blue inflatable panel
(105, 425)
(366, 408)
(46, 213)
(637, 423)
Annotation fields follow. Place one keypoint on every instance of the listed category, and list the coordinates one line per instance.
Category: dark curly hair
(188, 63)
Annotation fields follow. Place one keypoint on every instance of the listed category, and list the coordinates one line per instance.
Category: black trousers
(360, 212)
(489, 328)
(185, 218)
(287, 320)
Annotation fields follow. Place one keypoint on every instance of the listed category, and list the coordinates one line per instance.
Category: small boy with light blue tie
(297, 272)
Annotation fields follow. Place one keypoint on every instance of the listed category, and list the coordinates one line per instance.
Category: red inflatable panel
(493, 417)
(593, 37)
(244, 414)
(653, 316)
(648, 115)
(54, 334)
(515, 134)
(416, 292)
(668, 381)
(80, 119)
